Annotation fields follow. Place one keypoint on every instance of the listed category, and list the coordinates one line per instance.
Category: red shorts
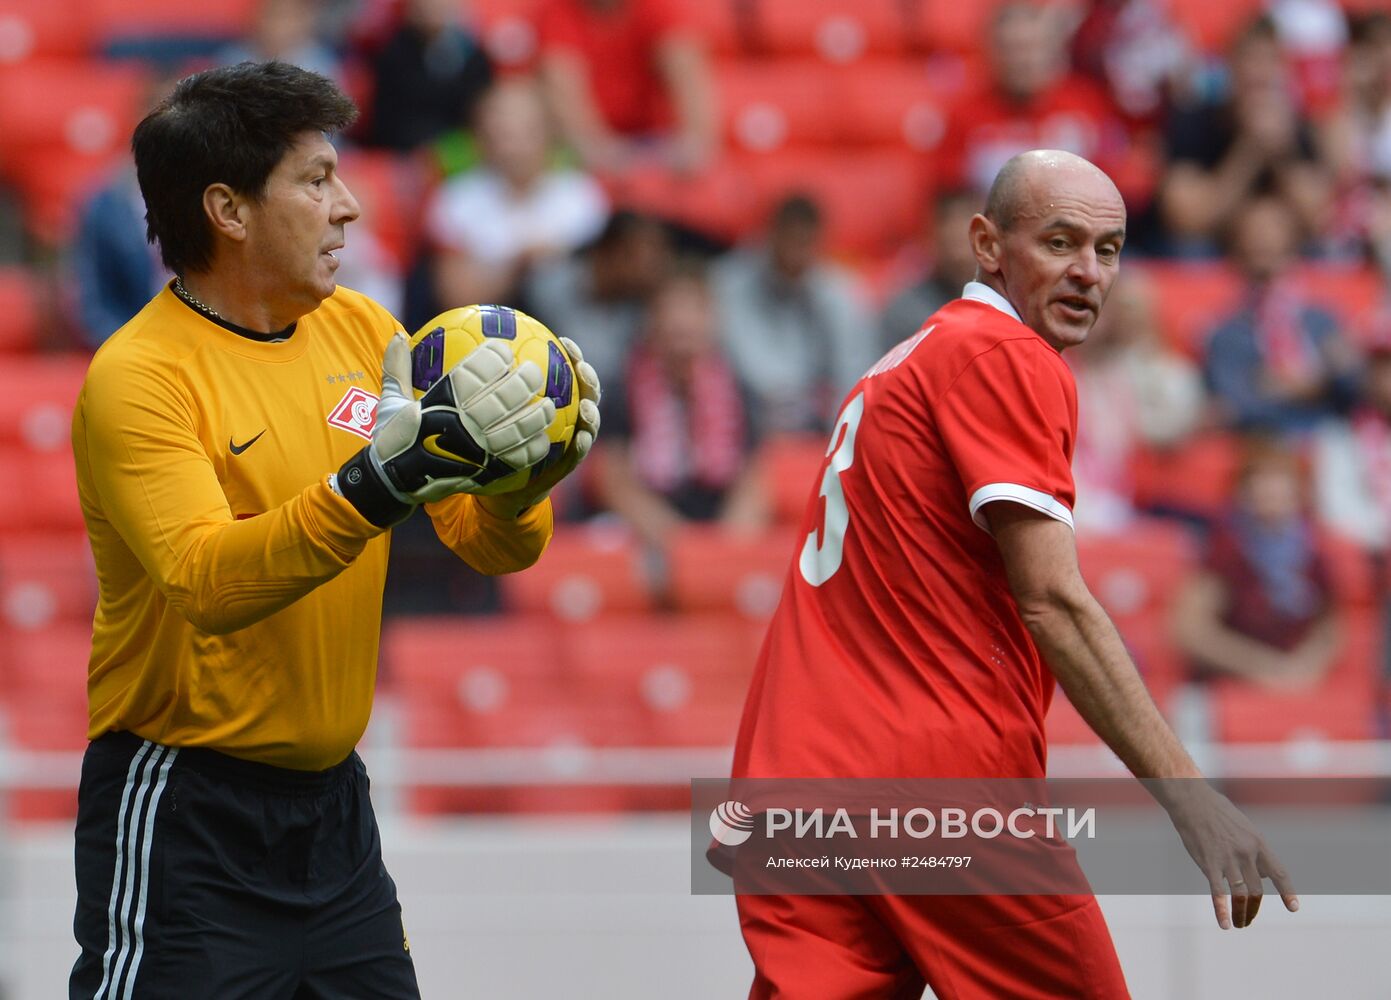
(964, 947)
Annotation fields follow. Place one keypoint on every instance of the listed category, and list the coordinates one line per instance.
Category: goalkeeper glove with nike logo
(477, 424)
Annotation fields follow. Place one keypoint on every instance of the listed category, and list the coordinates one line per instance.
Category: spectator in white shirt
(488, 227)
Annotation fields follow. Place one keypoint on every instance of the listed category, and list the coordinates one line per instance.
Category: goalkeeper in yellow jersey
(243, 447)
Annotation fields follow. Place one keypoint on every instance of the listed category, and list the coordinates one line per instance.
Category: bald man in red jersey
(935, 600)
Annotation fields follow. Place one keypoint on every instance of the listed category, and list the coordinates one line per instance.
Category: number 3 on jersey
(819, 562)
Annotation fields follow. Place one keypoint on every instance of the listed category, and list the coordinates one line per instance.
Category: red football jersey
(619, 47)
(897, 649)
(984, 129)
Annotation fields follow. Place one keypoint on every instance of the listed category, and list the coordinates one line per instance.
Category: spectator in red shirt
(628, 82)
(1262, 608)
(1031, 102)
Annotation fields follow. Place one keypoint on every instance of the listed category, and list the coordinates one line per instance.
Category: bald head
(1026, 183)
(1049, 241)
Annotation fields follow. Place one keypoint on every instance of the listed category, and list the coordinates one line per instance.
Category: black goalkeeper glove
(477, 424)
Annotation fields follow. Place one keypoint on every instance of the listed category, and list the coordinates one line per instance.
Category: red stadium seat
(30, 30)
(19, 310)
(683, 678)
(66, 123)
(36, 410)
(838, 31)
(716, 570)
(1341, 707)
(46, 578)
(1352, 294)
(1358, 666)
(718, 201)
(791, 465)
(482, 662)
(48, 668)
(502, 685)
(951, 24)
(498, 684)
(43, 691)
(42, 495)
(872, 200)
(1213, 25)
(583, 573)
(1139, 570)
(1136, 575)
(508, 29)
(1352, 570)
(84, 107)
(31, 725)
(785, 103)
(1194, 478)
(722, 26)
(1191, 298)
(771, 105)
(892, 102)
(391, 192)
(1246, 715)
(53, 186)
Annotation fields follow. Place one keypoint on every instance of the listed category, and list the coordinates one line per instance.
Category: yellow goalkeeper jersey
(240, 597)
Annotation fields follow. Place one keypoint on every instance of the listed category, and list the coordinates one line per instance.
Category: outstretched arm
(1085, 652)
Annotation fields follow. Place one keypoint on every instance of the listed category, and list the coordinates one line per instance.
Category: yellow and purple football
(445, 341)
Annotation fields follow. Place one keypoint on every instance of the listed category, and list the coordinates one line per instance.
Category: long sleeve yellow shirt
(239, 601)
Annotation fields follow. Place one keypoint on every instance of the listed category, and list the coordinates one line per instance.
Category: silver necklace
(187, 296)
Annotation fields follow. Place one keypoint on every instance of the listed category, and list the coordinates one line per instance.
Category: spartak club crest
(356, 412)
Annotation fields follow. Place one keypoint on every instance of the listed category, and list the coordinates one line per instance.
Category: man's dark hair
(623, 225)
(946, 198)
(797, 209)
(230, 125)
(1365, 29)
(1261, 28)
(1261, 198)
(685, 269)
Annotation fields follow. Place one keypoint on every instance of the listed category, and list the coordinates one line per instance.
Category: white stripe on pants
(135, 825)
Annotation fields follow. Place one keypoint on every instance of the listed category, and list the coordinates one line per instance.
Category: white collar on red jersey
(978, 291)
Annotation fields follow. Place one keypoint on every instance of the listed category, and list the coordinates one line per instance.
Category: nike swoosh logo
(237, 449)
(431, 445)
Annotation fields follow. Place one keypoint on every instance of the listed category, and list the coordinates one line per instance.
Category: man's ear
(223, 207)
(985, 243)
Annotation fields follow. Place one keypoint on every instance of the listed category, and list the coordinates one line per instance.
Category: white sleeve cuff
(1035, 499)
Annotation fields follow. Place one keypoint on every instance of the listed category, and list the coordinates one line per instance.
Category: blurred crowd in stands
(736, 206)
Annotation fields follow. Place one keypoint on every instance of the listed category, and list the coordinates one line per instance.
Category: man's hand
(478, 423)
(1231, 854)
(509, 505)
